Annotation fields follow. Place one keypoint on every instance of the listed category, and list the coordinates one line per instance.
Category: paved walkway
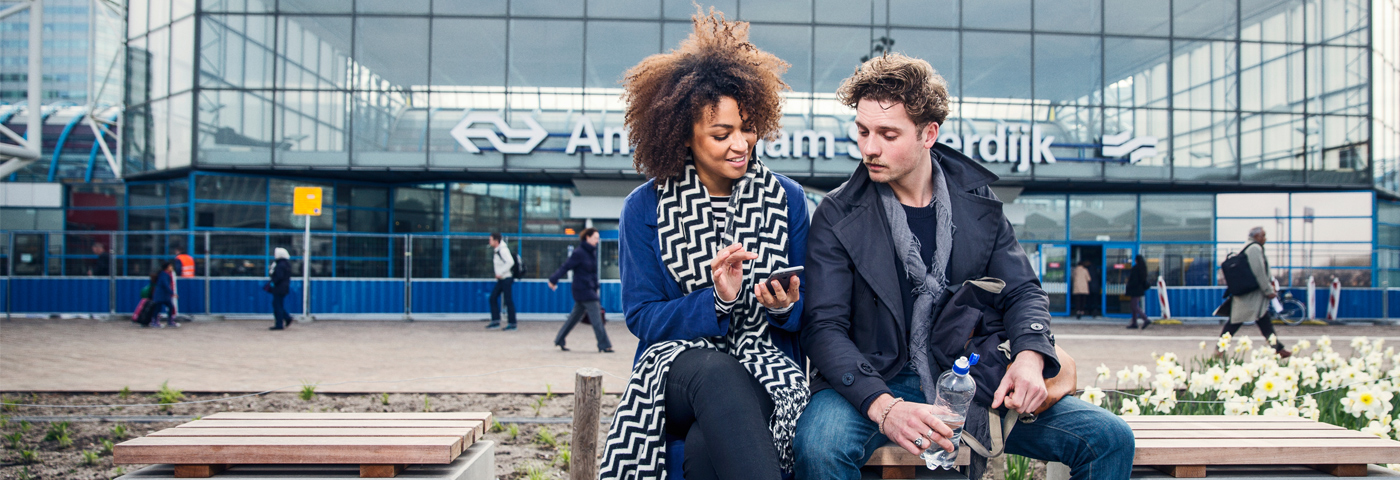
(81, 355)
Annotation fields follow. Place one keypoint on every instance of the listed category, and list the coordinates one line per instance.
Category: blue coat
(656, 311)
(165, 287)
(584, 263)
(281, 277)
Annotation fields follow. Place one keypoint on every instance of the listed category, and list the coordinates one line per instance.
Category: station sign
(1020, 144)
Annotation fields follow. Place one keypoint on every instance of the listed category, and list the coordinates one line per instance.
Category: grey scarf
(929, 281)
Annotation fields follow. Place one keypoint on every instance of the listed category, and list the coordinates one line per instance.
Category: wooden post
(588, 405)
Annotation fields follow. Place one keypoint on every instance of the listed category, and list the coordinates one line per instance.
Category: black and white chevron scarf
(757, 218)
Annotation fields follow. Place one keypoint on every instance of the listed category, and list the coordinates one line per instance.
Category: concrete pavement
(79, 355)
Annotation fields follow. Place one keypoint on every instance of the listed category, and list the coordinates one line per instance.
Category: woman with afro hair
(717, 383)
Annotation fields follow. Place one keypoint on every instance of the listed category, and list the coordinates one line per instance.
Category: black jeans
(722, 413)
(594, 310)
(503, 287)
(1266, 327)
(1137, 310)
(279, 310)
(1080, 303)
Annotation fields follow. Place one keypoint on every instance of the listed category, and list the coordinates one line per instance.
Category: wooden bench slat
(1196, 418)
(288, 450)
(332, 424)
(467, 433)
(1233, 426)
(482, 416)
(1219, 434)
(1251, 451)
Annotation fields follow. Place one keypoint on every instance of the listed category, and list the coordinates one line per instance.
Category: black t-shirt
(923, 222)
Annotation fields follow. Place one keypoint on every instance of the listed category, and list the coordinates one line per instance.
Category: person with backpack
(1255, 305)
(584, 263)
(506, 267)
(141, 316)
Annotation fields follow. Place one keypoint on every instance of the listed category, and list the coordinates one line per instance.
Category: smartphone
(782, 277)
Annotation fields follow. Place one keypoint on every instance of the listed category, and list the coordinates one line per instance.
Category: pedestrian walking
(163, 296)
(584, 263)
(1079, 294)
(279, 285)
(502, 261)
(1256, 306)
(102, 265)
(1137, 287)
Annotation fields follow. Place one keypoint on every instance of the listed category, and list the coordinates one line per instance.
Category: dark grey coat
(856, 335)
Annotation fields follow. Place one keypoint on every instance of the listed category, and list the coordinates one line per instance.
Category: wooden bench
(382, 444)
(1183, 446)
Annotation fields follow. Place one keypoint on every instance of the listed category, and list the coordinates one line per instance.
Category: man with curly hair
(888, 249)
(717, 382)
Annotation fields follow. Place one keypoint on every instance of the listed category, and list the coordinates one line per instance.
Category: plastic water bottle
(955, 391)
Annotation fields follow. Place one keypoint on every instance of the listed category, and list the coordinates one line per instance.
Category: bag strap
(1000, 427)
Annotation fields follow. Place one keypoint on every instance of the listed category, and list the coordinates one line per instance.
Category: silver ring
(930, 433)
(919, 442)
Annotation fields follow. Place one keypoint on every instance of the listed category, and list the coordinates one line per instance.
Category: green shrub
(512, 431)
(56, 430)
(308, 391)
(545, 437)
(166, 396)
(124, 392)
(89, 457)
(119, 431)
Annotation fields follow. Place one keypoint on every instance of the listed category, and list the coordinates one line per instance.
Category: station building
(1118, 128)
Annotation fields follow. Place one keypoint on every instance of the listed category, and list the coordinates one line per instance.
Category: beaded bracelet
(887, 413)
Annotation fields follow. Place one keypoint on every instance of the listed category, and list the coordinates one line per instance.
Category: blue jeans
(834, 440)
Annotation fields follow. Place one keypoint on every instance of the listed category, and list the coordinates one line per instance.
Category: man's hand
(1271, 296)
(1023, 387)
(908, 421)
(553, 286)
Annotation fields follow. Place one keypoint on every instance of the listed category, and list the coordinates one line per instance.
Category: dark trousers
(722, 413)
(155, 308)
(1137, 310)
(503, 287)
(1266, 327)
(279, 310)
(594, 310)
(1080, 303)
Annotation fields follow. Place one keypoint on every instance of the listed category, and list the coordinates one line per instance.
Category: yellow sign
(306, 201)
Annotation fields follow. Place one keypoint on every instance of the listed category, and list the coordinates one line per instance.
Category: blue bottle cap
(973, 358)
(961, 366)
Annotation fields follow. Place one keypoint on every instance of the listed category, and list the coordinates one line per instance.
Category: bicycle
(1293, 310)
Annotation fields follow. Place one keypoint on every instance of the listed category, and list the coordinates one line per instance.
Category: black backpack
(1239, 278)
(518, 270)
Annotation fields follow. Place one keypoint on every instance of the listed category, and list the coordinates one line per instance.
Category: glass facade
(1183, 236)
(82, 53)
(1239, 92)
